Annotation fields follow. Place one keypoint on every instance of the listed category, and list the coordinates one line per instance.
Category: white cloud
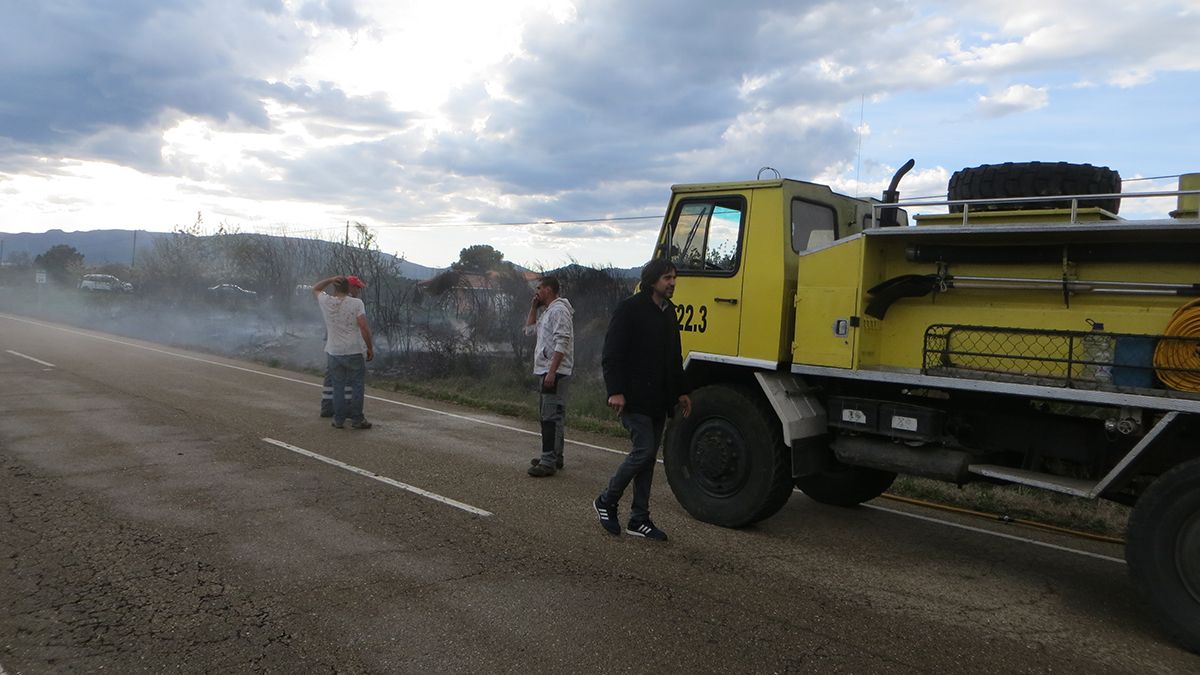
(434, 113)
(1017, 98)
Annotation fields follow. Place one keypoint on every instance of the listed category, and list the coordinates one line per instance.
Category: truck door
(704, 239)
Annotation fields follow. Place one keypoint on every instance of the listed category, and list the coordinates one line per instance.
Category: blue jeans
(645, 433)
(327, 395)
(347, 370)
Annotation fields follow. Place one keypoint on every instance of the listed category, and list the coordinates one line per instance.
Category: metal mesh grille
(1079, 359)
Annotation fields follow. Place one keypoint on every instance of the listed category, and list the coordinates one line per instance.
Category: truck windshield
(705, 235)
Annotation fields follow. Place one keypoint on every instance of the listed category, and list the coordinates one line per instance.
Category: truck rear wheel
(726, 462)
(1034, 179)
(845, 485)
(1163, 551)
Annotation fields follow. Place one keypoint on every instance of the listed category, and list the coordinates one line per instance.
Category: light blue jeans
(327, 396)
(347, 370)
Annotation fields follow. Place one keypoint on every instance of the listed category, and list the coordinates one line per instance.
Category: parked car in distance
(232, 292)
(104, 282)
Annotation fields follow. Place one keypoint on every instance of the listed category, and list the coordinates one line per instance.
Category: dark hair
(550, 282)
(341, 285)
(654, 270)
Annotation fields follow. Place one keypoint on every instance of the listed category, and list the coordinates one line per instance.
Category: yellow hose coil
(1185, 354)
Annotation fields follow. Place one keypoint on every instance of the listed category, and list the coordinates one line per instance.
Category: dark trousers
(645, 433)
(552, 407)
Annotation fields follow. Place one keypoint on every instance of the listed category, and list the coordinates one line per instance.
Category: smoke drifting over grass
(255, 332)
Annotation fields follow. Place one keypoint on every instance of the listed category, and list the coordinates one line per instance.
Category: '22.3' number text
(692, 319)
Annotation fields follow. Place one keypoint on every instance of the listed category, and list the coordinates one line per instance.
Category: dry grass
(504, 398)
(1016, 502)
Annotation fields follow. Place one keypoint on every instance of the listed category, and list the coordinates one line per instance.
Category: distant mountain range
(101, 247)
(98, 247)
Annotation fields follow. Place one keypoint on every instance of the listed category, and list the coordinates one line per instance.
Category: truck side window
(706, 235)
(812, 225)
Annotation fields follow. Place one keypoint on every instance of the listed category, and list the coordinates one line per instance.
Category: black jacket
(642, 356)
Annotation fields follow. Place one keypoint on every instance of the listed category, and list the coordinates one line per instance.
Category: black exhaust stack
(887, 217)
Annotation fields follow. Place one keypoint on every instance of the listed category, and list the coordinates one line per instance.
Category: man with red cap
(356, 286)
(348, 337)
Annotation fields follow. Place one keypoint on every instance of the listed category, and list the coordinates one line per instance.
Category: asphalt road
(157, 515)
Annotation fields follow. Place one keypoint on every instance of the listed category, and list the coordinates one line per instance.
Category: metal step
(1044, 481)
(1076, 486)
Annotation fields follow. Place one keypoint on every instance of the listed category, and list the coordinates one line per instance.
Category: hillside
(100, 247)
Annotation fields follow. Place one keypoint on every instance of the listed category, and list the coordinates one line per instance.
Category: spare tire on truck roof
(1034, 179)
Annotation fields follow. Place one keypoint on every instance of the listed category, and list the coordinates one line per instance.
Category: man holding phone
(551, 318)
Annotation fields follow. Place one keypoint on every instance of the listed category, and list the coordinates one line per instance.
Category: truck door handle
(732, 301)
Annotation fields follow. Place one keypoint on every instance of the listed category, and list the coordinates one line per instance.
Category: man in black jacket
(643, 372)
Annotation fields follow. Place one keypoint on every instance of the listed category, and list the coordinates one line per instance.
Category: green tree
(480, 258)
(62, 263)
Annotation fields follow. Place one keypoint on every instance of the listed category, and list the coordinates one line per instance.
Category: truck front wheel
(845, 485)
(726, 462)
(1163, 551)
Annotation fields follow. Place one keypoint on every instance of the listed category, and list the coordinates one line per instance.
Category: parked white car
(104, 282)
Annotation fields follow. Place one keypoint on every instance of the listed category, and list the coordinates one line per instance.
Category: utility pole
(133, 254)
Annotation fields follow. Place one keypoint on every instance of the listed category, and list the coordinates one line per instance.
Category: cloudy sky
(553, 129)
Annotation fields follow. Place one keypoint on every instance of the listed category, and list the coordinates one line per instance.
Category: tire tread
(1034, 179)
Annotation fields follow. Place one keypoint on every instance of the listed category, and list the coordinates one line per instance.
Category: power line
(522, 223)
(329, 230)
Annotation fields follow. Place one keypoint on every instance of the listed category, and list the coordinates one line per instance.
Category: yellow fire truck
(1024, 334)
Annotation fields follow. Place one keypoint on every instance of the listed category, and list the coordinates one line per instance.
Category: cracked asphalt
(146, 526)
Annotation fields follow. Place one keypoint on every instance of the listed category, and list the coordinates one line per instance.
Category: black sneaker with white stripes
(645, 529)
(608, 517)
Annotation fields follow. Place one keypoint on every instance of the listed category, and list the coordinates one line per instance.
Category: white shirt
(555, 333)
(341, 324)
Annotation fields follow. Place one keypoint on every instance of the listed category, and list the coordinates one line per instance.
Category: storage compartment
(910, 421)
(860, 414)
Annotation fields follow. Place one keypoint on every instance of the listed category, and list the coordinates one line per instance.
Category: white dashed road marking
(49, 365)
(382, 479)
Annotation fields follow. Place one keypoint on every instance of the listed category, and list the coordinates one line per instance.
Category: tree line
(468, 318)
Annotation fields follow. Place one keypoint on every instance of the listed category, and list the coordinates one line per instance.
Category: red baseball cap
(356, 282)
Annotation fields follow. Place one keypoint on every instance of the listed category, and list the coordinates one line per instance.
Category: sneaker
(538, 460)
(540, 470)
(647, 530)
(608, 517)
(361, 424)
(326, 414)
(337, 425)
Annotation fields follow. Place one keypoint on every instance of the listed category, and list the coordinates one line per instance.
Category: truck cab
(735, 247)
